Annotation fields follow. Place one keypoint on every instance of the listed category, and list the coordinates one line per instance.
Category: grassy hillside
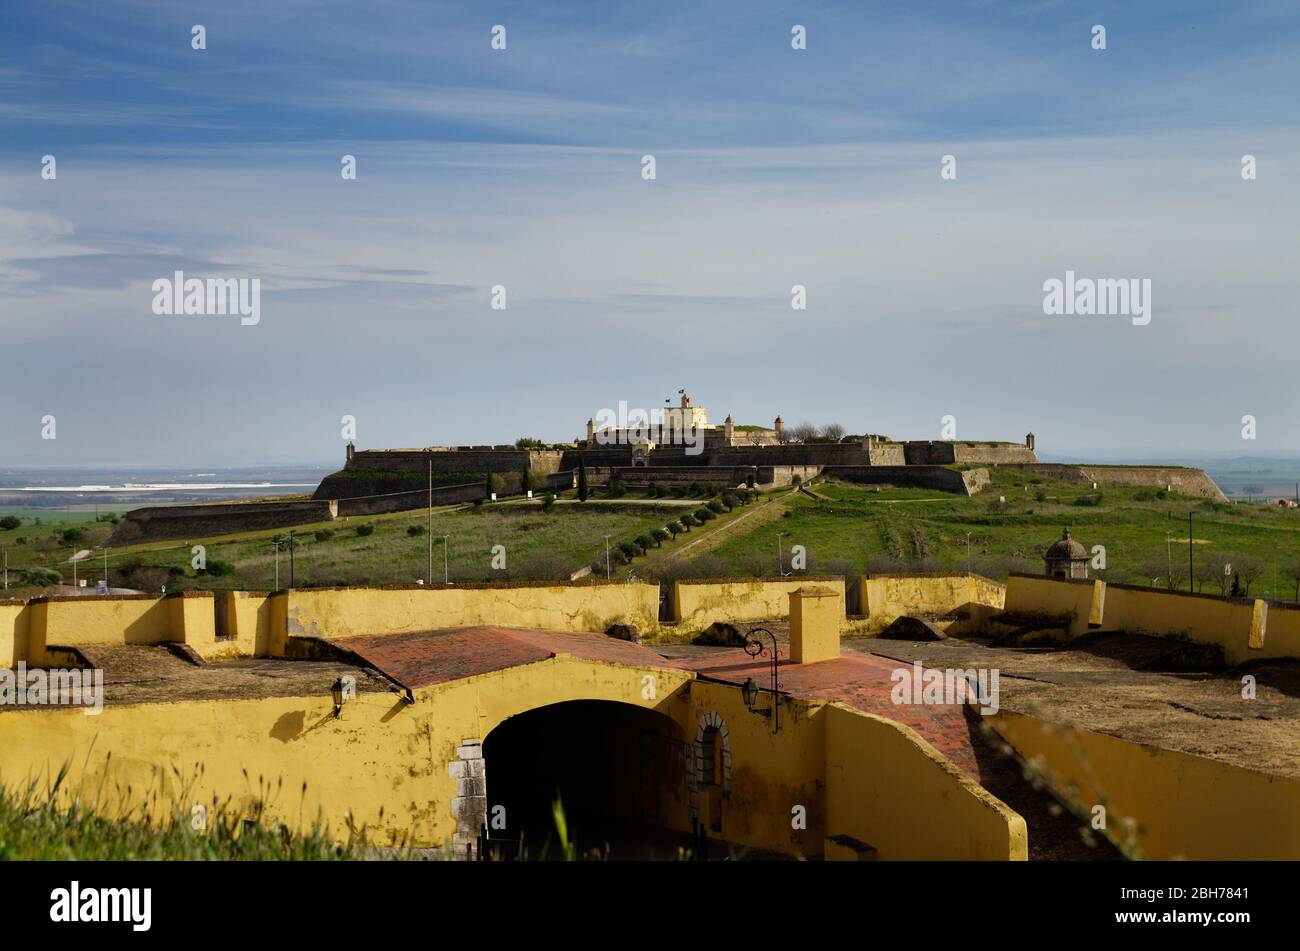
(846, 529)
(538, 544)
(854, 528)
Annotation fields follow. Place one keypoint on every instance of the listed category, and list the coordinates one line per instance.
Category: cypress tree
(582, 480)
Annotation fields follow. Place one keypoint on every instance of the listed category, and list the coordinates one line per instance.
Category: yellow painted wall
(1238, 626)
(248, 617)
(384, 753)
(381, 753)
(888, 788)
(771, 773)
(1184, 806)
(348, 612)
(1034, 595)
(1282, 636)
(1209, 620)
(14, 617)
(885, 598)
(697, 604)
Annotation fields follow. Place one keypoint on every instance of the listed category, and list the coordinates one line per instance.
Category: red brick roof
(859, 681)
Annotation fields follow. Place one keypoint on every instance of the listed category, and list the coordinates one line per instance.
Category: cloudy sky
(522, 167)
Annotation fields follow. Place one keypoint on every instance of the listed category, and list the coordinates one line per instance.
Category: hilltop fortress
(675, 445)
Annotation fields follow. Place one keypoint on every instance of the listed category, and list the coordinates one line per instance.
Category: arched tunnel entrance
(618, 769)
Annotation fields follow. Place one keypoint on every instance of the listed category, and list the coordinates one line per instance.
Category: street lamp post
(607, 557)
(446, 576)
(780, 555)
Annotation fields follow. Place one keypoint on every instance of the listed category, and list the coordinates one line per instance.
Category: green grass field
(849, 529)
(1144, 531)
(541, 545)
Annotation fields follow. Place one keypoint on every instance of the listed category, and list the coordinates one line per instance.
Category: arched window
(711, 767)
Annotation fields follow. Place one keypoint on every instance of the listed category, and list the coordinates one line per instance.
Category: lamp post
(446, 576)
(1169, 558)
(607, 557)
(292, 546)
(780, 555)
(275, 545)
(968, 553)
(755, 647)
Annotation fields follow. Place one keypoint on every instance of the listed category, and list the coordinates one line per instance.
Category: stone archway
(615, 767)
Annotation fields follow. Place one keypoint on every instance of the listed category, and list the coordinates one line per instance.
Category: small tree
(9, 523)
(1292, 573)
(1249, 571)
(582, 479)
(496, 483)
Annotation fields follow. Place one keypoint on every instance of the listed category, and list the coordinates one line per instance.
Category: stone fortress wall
(375, 481)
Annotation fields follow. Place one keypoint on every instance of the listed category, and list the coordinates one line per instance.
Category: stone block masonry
(1185, 481)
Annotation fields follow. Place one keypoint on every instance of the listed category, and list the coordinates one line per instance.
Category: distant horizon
(1082, 456)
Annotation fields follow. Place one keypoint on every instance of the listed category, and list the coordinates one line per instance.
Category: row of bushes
(625, 551)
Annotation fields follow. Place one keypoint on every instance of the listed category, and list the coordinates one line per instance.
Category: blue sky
(522, 167)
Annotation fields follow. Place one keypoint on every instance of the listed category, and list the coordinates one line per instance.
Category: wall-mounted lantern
(754, 647)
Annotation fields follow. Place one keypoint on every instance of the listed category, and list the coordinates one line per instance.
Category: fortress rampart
(1184, 481)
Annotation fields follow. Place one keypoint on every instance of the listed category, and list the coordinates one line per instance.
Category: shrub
(714, 506)
(548, 502)
(324, 534)
(69, 535)
(1091, 499)
(414, 530)
(645, 542)
(705, 514)
(679, 491)
(652, 490)
(628, 549)
(1040, 495)
(364, 530)
(39, 577)
(218, 568)
(496, 483)
(659, 536)
(796, 481)
(10, 522)
(615, 489)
